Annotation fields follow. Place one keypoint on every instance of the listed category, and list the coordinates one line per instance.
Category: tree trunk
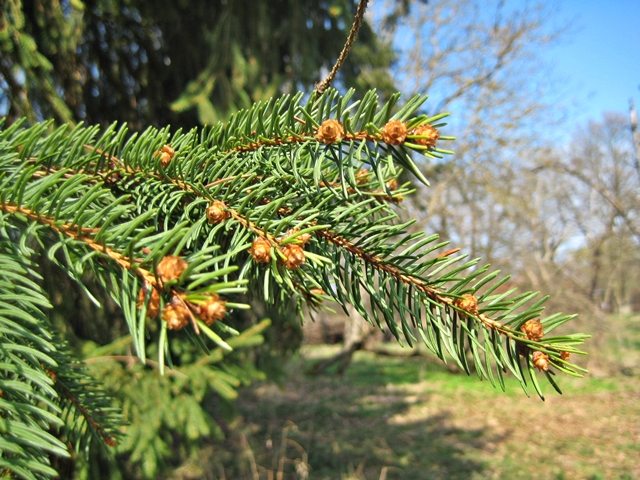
(356, 332)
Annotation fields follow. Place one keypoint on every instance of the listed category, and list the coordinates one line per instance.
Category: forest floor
(409, 418)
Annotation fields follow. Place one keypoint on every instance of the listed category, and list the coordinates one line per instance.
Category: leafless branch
(324, 84)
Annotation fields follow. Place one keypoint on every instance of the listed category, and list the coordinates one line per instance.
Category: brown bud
(304, 238)
(540, 361)
(217, 212)
(176, 315)
(362, 176)
(300, 239)
(430, 135)
(394, 132)
(294, 256)
(213, 309)
(153, 306)
(166, 154)
(52, 375)
(330, 132)
(392, 184)
(170, 268)
(315, 297)
(565, 356)
(261, 250)
(533, 329)
(468, 303)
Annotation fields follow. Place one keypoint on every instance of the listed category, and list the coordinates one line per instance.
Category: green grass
(619, 343)
(397, 418)
(371, 369)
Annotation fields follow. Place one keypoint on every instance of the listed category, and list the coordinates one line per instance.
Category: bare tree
(605, 207)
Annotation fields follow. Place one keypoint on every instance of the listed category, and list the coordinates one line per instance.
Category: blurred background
(545, 186)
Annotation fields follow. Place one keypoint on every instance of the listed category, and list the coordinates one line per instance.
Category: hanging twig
(636, 134)
(324, 84)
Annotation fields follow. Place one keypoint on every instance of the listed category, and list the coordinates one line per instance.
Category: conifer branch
(95, 425)
(431, 292)
(303, 190)
(71, 232)
(43, 390)
(247, 145)
(467, 305)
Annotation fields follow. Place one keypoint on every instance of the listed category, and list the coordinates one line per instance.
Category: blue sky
(599, 57)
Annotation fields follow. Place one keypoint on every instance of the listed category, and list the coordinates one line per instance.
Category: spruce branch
(87, 406)
(89, 417)
(302, 200)
(42, 389)
(85, 238)
(206, 305)
(470, 308)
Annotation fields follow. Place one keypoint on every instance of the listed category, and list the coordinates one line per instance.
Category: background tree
(173, 63)
(601, 165)
(481, 59)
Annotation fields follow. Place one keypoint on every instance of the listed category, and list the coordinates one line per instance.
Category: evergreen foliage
(293, 202)
(166, 62)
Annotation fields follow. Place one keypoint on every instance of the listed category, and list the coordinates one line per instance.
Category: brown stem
(129, 360)
(71, 231)
(378, 263)
(228, 179)
(375, 261)
(114, 161)
(189, 308)
(322, 86)
(108, 439)
(275, 141)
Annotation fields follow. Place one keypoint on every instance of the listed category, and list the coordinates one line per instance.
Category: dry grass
(391, 418)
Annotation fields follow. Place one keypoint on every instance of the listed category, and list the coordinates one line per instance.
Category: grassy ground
(408, 418)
